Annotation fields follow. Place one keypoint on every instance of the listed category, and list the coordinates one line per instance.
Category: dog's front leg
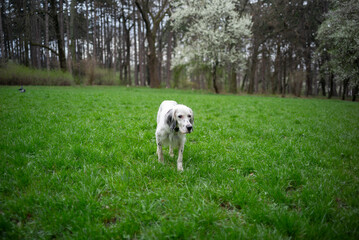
(180, 157)
(159, 150)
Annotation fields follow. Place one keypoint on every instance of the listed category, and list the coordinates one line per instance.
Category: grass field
(80, 162)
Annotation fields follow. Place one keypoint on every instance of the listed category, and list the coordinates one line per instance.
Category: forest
(269, 157)
(282, 47)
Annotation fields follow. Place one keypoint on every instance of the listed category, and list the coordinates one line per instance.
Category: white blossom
(212, 32)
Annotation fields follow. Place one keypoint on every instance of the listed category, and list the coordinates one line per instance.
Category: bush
(14, 74)
(95, 75)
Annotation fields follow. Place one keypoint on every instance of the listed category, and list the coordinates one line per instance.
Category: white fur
(174, 121)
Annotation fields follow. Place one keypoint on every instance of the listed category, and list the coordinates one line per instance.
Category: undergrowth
(86, 73)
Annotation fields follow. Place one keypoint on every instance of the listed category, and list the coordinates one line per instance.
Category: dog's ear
(170, 119)
(191, 120)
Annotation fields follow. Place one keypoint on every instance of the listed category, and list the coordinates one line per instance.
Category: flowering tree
(338, 36)
(213, 33)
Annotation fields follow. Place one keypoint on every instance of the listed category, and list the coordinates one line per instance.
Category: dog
(174, 121)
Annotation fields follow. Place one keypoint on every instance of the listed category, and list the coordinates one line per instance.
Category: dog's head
(181, 119)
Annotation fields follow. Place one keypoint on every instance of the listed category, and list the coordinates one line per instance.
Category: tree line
(282, 47)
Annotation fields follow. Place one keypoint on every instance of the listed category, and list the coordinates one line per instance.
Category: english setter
(174, 121)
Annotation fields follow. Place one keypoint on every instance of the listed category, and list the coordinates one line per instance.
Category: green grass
(80, 162)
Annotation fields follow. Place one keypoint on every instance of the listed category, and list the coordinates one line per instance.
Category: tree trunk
(101, 36)
(284, 78)
(244, 81)
(309, 80)
(279, 76)
(87, 30)
(159, 54)
(214, 77)
(135, 45)
(141, 51)
(124, 50)
(151, 32)
(128, 56)
(108, 43)
(60, 40)
(300, 87)
(355, 93)
(115, 39)
(152, 61)
(120, 54)
(104, 39)
(345, 88)
(2, 42)
(26, 38)
(47, 55)
(276, 74)
(60, 17)
(169, 59)
(73, 61)
(233, 80)
(94, 30)
(264, 72)
(35, 35)
(70, 53)
(331, 86)
(252, 72)
(322, 84)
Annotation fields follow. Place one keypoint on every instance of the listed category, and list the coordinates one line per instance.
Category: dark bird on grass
(22, 90)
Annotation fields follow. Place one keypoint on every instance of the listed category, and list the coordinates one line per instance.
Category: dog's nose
(189, 128)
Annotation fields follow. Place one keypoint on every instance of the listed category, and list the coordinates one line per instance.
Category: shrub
(14, 74)
(96, 75)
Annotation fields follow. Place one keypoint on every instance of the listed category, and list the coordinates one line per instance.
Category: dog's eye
(189, 116)
(179, 116)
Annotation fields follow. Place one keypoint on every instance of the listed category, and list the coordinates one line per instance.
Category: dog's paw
(180, 169)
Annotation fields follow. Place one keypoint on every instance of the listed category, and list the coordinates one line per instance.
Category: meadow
(80, 163)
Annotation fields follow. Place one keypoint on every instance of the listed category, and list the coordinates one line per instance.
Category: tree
(152, 13)
(35, 34)
(126, 27)
(338, 36)
(2, 42)
(57, 19)
(283, 39)
(47, 35)
(169, 58)
(213, 33)
(141, 51)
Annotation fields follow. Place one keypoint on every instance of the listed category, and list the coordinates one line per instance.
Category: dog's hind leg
(171, 151)
(160, 153)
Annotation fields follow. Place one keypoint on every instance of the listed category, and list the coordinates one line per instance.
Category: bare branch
(44, 46)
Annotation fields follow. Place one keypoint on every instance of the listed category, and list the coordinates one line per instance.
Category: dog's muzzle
(189, 128)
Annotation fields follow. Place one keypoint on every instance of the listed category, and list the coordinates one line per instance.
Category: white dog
(174, 121)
